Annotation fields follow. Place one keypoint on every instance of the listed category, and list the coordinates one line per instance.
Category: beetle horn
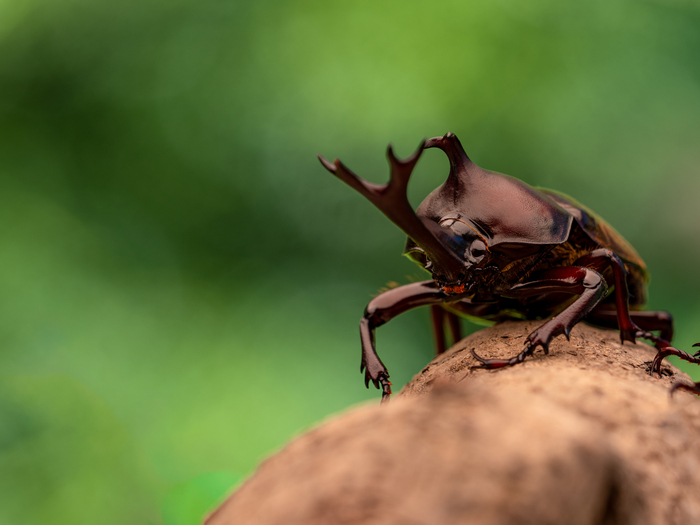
(459, 161)
(450, 144)
(391, 199)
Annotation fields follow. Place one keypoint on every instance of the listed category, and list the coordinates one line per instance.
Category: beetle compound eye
(477, 249)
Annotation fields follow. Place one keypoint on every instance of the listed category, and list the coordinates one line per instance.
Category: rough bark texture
(581, 436)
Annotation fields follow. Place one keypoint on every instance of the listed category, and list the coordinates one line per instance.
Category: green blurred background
(181, 281)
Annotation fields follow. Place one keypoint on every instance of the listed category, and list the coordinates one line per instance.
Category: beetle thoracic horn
(450, 144)
(391, 199)
(459, 161)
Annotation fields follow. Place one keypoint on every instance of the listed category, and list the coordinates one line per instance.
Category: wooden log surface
(583, 435)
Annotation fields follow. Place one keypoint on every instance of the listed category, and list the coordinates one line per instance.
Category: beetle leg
(437, 318)
(396, 301)
(585, 282)
(693, 389)
(599, 260)
(629, 331)
(663, 348)
(665, 351)
(455, 327)
(491, 364)
(382, 309)
(649, 321)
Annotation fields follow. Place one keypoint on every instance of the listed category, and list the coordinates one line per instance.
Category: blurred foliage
(182, 281)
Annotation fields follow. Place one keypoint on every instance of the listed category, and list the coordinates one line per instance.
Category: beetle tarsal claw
(693, 389)
(492, 364)
(478, 358)
(380, 377)
(664, 349)
(386, 389)
(696, 354)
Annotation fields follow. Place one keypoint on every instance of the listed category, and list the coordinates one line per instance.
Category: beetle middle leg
(588, 284)
(438, 317)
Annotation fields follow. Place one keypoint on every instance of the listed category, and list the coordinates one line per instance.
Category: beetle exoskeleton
(498, 249)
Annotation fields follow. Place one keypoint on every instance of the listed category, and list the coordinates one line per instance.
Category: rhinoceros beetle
(499, 249)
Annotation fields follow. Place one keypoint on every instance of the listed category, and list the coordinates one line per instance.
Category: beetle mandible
(499, 249)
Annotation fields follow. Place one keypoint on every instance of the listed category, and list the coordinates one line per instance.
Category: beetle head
(465, 241)
(446, 219)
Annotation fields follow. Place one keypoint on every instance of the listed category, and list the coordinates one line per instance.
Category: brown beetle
(499, 249)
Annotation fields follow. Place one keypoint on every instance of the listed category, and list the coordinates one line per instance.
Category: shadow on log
(581, 436)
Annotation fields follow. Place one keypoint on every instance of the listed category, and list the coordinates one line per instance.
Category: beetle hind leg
(665, 351)
(606, 316)
(695, 387)
(647, 321)
(455, 327)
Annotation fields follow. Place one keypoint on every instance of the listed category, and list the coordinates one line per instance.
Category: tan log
(581, 436)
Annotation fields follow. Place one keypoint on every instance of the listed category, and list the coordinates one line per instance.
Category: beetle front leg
(585, 282)
(396, 301)
(382, 309)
